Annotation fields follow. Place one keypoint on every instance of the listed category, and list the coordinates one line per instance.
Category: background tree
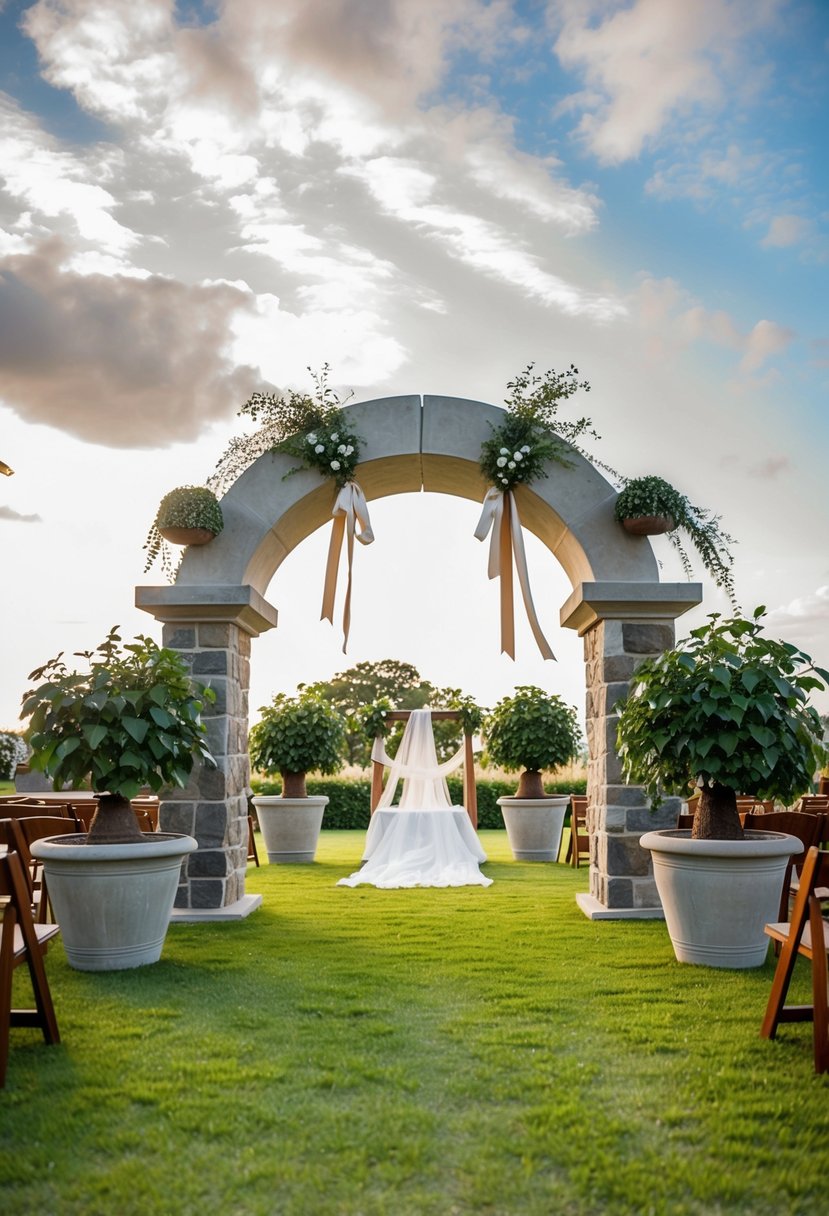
(401, 683)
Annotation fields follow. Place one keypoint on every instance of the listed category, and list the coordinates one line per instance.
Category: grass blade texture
(371, 1052)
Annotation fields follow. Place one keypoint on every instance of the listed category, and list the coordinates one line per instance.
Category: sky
(199, 200)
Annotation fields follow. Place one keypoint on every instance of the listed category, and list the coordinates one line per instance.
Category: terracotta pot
(187, 536)
(649, 525)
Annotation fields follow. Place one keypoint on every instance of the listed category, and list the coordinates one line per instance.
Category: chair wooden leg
(820, 993)
(6, 969)
(779, 988)
(253, 852)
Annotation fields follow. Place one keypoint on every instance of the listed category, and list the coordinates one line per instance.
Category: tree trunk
(293, 785)
(114, 822)
(530, 785)
(716, 817)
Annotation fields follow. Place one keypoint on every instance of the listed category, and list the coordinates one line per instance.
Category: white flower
(320, 447)
(525, 449)
(349, 450)
(518, 455)
(334, 438)
(505, 480)
(335, 464)
(501, 461)
(312, 438)
(342, 449)
(511, 464)
(505, 451)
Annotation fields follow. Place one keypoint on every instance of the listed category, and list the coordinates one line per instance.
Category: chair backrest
(814, 804)
(579, 836)
(807, 828)
(22, 941)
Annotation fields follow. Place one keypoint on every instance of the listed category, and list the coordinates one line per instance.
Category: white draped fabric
(423, 841)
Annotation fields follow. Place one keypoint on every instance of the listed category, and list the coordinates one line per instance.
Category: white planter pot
(718, 894)
(534, 826)
(290, 826)
(113, 901)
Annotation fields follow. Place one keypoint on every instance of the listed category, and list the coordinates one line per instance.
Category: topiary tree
(727, 709)
(297, 735)
(133, 719)
(532, 731)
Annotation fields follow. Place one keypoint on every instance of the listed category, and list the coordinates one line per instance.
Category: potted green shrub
(133, 719)
(532, 731)
(188, 515)
(295, 736)
(647, 506)
(728, 710)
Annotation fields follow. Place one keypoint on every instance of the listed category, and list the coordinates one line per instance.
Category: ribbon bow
(350, 510)
(500, 513)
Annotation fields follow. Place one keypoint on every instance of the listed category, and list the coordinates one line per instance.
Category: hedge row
(349, 798)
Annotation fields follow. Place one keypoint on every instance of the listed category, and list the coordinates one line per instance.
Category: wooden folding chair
(253, 854)
(579, 838)
(24, 833)
(806, 934)
(814, 804)
(21, 941)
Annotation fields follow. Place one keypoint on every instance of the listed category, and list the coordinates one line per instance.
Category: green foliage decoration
(184, 507)
(299, 734)
(310, 427)
(13, 751)
(727, 707)
(133, 719)
(532, 434)
(532, 730)
(654, 496)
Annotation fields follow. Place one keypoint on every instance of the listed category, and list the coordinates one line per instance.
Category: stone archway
(217, 605)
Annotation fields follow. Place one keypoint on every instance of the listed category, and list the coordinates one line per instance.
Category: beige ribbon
(500, 514)
(350, 510)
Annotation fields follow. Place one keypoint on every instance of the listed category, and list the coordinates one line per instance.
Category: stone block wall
(620, 870)
(213, 807)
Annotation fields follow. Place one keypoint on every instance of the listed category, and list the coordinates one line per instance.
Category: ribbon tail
(330, 587)
(524, 581)
(504, 539)
(349, 549)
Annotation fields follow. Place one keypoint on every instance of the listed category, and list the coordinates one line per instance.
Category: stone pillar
(622, 624)
(212, 629)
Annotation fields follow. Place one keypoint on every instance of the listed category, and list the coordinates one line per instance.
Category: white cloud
(118, 360)
(786, 230)
(57, 187)
(649, 63)
(671, 318)
(9, 513)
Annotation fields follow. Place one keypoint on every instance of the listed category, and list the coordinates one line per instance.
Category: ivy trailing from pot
(648, 506)
(188, 515)
(315, 431)
(517, 453)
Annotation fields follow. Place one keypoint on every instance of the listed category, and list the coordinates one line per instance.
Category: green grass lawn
(383, 1053)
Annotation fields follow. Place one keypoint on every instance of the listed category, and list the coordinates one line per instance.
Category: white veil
(424, 780)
